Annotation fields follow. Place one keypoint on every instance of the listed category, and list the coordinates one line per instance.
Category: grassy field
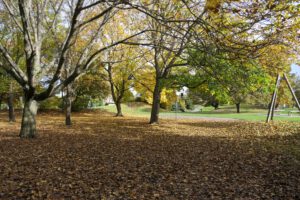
(105, 157)
(247, 113)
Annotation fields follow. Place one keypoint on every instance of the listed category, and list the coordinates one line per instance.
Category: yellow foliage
(145, 83)
(167, 98)
(213, 5)
(276, 59)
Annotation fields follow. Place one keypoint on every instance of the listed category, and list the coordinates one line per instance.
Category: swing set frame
(274, 97)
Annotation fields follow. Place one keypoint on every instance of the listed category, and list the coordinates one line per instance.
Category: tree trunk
(11, 110)
(215, 105)
(155, 103)
(28, 127)
(68, 105)
(63, 101)
(119, 109)
(117, 93)
(10, 102)
(68, 111)
(0, 102)
(237, 107)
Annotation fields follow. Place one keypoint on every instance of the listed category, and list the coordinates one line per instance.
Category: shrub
(189, 104)
(164, 105)
(51, 103)
(139, 99)
(80, 103)
(97, 102)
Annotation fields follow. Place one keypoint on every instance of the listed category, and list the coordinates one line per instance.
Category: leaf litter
(104, 157)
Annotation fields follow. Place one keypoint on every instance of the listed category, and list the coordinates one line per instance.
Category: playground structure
(274, 97)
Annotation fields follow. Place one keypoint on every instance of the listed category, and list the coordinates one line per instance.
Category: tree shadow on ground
(210, 124)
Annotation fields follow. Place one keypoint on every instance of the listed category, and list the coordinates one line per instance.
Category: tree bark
(237, 107)
(117, 93)
(119, 109)
(215, 105)
(28, 127)
(10, 102)
(11, 110)
(1, 102)
(68, 105)
(63, 101)
(155, 103)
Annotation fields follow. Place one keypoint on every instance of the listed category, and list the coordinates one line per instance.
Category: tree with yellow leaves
(121, 71)
(62, 21)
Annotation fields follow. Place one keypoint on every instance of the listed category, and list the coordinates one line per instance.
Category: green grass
(247, 112)
(130, 109)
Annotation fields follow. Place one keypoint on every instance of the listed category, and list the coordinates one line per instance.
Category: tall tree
(167, 42)
(235, 27)
(38, 21)
(232, 79)
(8, 91)
(122, 66)
(83, 91)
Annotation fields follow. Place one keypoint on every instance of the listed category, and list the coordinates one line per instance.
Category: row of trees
(243, 80)
(48, 44)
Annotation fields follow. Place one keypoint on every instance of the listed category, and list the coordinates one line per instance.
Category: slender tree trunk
(28, 126)
(68, 106)
(156, 103)
(68, 111)
(63, 100)
(10, 102)
(215, 105)
(117, 93)
(11, 110)
(119, 109)
(237, 107)
(0, 101)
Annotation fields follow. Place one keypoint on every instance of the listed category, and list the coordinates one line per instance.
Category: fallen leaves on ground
(104, 157)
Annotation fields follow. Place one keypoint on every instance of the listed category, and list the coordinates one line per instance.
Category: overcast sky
(296, 69)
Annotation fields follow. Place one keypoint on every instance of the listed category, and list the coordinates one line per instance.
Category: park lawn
(240, 116)
(247, 113)
(104, 157)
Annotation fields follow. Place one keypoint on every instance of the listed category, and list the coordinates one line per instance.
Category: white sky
(295, 69)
